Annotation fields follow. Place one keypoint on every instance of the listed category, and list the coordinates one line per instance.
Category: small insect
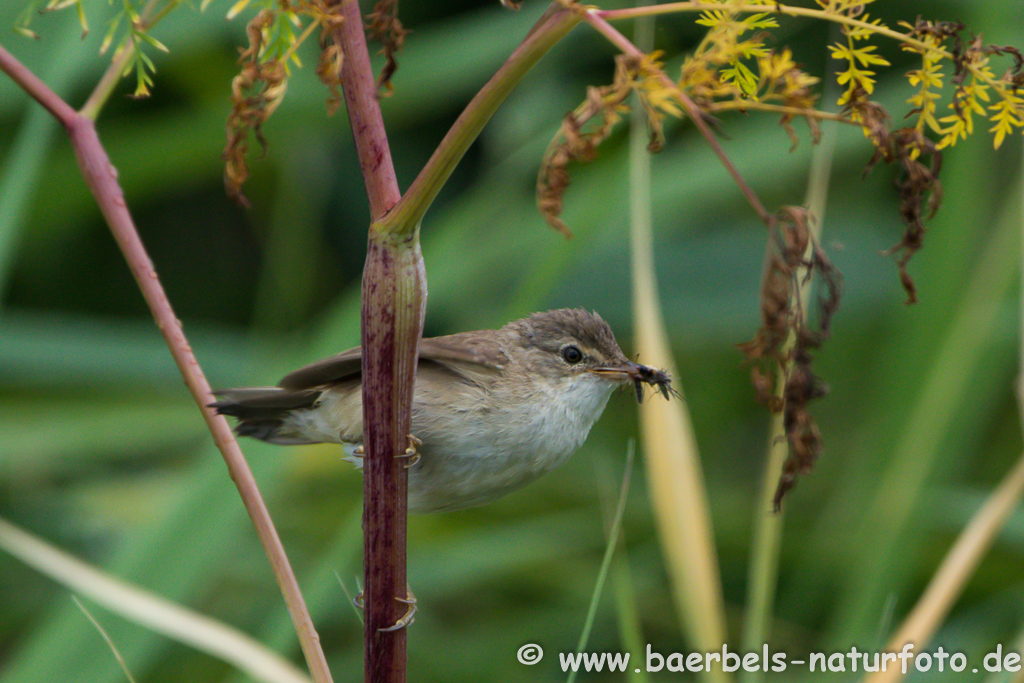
(659, 379)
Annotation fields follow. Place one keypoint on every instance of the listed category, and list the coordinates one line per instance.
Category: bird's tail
(263, 412)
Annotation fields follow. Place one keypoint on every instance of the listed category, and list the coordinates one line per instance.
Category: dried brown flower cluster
(781, 348)
(255, 93)
(384, 27)
(260, 86)
(586, 127)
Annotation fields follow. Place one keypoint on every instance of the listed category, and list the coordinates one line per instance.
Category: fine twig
(596, 19)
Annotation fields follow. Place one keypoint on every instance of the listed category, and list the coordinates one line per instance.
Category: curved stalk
(101, 177)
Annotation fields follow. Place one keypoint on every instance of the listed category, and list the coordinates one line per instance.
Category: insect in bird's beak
(639, 375)
(659, 379)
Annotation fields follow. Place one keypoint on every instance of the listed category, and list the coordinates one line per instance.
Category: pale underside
(483, 434)
(472, 452)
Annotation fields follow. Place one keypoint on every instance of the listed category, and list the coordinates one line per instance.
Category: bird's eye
(572, 354)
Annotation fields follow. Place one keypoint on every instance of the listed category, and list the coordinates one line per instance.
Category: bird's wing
(345, 365)
(470, 348)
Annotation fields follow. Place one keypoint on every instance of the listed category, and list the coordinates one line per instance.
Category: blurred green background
(103, 453)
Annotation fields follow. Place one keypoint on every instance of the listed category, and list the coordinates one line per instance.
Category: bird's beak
(626, 372)
(638, 375)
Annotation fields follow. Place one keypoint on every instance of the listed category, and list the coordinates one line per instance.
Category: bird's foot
(411, 453)
(410, 614)
(407, 619)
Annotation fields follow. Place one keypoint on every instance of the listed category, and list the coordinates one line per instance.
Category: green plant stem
(628, 609)
(764, 564)
(762, 575)
(101, 177)
(614, 529)
(546, 33)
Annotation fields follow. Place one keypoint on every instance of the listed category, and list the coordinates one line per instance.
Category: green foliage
(128, 27)
(105, 456)
(136, 34)
(23, 23)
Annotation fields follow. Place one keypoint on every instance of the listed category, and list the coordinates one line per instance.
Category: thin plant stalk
(950, 579)
(764, 564)
(115, 70)
(677, 490)
(762, 575)
(151, 611)
(394, 299)
(614, 530)
(101, 177)
(546, 33)
(107, 639)
(628, 611)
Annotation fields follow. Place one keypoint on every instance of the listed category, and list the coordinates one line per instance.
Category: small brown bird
(493, 409)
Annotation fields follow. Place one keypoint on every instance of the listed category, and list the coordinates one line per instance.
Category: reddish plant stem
(101, 177)
(38, 90)
(394, 297)
(363, 105)
(394, 301)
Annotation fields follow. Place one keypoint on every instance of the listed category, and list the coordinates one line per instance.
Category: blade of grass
(107, 639)
(626, 609)
(630, 630)
(951, 577)
(609, 552)
(678, 494)
(23, 166)
(146, 609)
